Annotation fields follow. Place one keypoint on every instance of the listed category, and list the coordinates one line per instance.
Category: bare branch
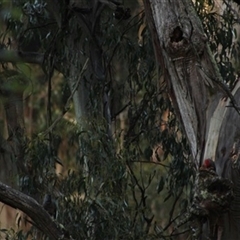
(33, 209)
(17, 56)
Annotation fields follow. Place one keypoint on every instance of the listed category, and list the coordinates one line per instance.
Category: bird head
(50, 205)
(208, 164)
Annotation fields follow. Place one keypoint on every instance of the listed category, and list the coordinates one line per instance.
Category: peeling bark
(189, 67)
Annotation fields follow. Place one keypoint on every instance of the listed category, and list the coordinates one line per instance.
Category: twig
(152, 162)
(179, 233)
(170, 221)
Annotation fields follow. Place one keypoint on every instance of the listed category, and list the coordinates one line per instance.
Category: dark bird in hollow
(49, 205)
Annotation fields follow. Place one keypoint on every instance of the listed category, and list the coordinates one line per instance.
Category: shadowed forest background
(87, 116)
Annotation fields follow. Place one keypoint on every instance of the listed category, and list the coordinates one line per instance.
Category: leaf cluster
(220, 23)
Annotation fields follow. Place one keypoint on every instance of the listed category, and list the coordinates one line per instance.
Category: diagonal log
(33, 209)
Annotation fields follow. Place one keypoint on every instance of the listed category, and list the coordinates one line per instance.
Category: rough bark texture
(189, 67)
(31, 207)
(195, 88)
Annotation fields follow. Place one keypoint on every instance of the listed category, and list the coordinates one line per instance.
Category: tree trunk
(196, 89)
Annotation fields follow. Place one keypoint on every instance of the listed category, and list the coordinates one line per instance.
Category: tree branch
(33, 209)
(17, 56)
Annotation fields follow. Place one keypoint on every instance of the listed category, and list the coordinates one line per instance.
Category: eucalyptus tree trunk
(85, 73)
(83, 63)
(207, 109)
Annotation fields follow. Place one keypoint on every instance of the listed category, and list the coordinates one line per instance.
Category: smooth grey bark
(204, 105)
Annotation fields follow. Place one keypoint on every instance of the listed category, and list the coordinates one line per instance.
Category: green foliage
(221, 26)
